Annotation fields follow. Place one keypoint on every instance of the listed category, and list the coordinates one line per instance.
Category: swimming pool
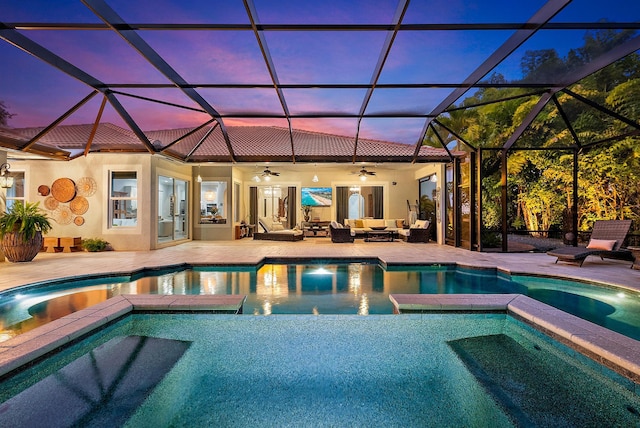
(318, 287)
(444, 370)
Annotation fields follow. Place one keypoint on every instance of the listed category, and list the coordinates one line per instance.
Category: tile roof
(249, 144)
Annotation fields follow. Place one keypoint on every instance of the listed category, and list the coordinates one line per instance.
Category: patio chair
(418, 232)
(606, 239)
(340, 234)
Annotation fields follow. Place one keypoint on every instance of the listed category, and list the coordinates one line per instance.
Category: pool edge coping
(608, 348)
(37, 343)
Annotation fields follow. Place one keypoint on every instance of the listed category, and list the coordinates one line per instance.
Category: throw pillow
(399, 223)
(390, 224)
(359, 223)
(277, 226)
(601, 244)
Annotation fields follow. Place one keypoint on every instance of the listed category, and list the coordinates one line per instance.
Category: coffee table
(380, 236)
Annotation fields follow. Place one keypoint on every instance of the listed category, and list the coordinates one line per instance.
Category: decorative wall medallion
(51, 203)
(79, 220)
(86, 186)
(79, 205)
(43, 190)
(63, 189)
(63, 215)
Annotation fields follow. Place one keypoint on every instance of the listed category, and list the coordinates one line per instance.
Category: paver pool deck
(47, 266)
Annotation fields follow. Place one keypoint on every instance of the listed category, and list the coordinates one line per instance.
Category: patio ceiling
(258, 81)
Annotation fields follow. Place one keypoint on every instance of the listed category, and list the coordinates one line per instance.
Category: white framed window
(16, 193)
(123, 199)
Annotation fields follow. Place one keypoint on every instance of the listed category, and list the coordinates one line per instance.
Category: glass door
(172, 209)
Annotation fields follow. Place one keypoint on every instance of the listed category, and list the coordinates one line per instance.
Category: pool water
(445, 370)
(319, 288)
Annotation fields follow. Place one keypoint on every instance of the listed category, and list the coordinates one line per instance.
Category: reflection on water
(354, 288)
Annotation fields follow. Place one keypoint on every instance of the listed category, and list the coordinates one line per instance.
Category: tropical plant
(26, 220)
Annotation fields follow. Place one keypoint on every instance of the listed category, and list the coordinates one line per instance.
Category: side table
(636, 255)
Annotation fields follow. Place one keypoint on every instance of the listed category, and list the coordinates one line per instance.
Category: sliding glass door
(173, 206)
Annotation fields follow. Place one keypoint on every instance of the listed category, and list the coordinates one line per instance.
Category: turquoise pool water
(444, 370)
(318, 287)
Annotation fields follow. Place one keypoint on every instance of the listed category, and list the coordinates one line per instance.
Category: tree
(4, 114)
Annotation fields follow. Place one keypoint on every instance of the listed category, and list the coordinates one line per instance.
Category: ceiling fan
(363, 173)
(267, 174)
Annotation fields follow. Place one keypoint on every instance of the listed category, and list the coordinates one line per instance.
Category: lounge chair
(275, 232)
(606, 239)
(340, 234)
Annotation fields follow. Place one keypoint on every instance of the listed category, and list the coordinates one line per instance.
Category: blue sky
(38, 93)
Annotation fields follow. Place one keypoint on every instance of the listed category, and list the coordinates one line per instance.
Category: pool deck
(48, 266)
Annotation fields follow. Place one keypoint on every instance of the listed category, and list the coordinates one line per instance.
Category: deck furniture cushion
(601, 244)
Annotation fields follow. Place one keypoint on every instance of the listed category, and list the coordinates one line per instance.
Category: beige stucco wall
(143, 236)
(96, 166)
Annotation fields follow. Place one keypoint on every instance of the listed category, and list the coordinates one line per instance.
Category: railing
(632, 239)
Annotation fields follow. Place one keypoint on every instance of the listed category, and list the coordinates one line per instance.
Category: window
(15, 193)
(123, 199)
(213, 195)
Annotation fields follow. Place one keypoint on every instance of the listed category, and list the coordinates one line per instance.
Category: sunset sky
(37, 93)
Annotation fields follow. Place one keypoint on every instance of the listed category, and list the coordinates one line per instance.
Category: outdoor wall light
(5, 180)
(315, 178)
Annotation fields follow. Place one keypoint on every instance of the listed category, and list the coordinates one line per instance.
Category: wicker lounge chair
(340, 234)
(606, 239)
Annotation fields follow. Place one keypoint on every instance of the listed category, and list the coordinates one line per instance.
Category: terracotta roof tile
(249, 143)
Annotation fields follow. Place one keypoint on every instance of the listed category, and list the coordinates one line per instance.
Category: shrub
(94, 244)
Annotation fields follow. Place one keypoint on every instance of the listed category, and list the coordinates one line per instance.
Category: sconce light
(5, 180)
(434, 178)
(199, 177)
(315, 178)
(256, 179)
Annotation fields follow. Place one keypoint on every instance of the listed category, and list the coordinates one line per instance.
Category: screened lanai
(504, 94)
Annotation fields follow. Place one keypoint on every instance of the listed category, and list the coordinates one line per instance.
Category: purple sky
(38, 93)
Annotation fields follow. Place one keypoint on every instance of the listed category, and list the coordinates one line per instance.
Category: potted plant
(21, 231)
(306, 209)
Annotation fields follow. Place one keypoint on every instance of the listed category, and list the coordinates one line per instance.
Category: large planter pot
(16, 249)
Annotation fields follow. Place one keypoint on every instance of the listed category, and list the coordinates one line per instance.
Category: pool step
(609, 348)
